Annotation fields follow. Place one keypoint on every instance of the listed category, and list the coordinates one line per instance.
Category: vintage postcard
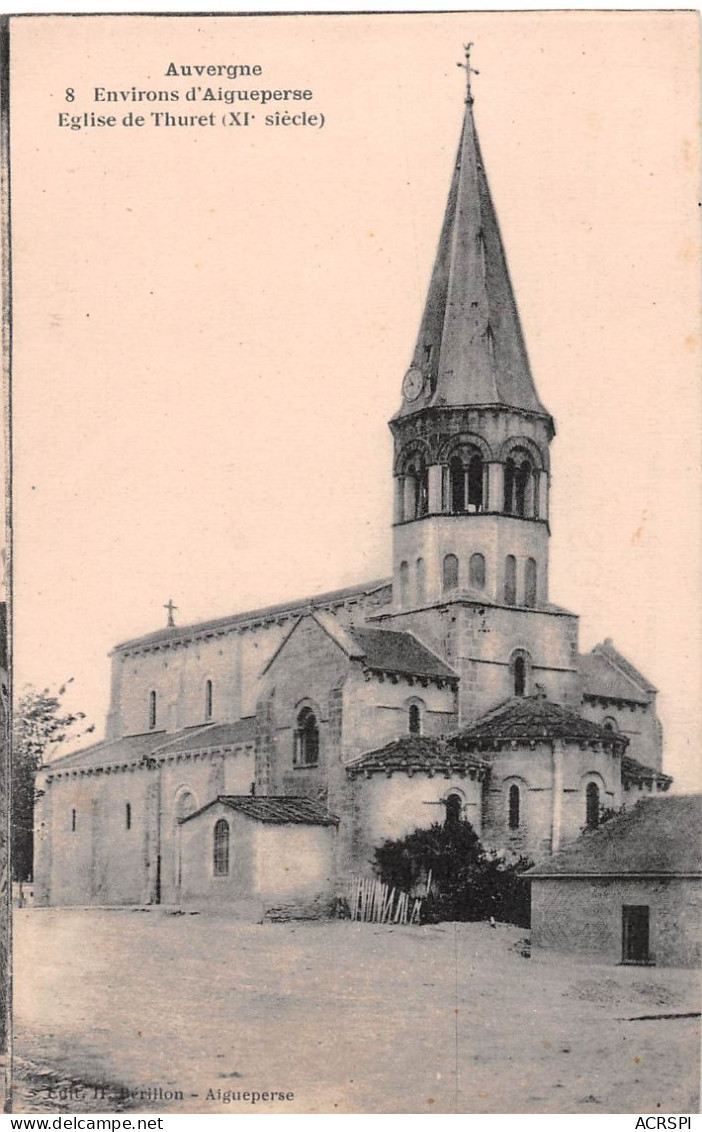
(354, 562)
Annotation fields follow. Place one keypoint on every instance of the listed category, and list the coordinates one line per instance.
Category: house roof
(132, 749)
(659, 836)
(273, 811)
(381, 650)
(608, 674)
(529, 719)
(214, 736)
(109, 752)
(635, 771)
(415, 753)
(388, 651)
(236, 620)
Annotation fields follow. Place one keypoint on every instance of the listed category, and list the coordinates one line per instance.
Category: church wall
(376, 711)
(638, 722)
(484, 641)
(177, 674)
(583, 766)
(493, 536)
(232, 659)
(305, 673)
(533, 773)
(391, 807)
(479, 641)
(101, 861)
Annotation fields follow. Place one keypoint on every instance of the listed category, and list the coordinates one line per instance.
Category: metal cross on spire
(171, 610)
(468, 69)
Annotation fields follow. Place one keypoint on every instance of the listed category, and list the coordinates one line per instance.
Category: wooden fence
(371, 901)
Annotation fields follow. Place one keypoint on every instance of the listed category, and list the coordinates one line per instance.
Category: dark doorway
(635, 933)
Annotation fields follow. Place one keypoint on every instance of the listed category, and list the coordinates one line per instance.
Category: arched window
(421, 580)
(510, 580)
(465, 477)
(306, 739)
(519, 676)
(610, 724)
(221, 848)
(415, 719)
(73, 821)
(454, 806)
(450, 572)
(208, 699)
(457, 478)
(514, 802)
(404, 583)
(592, 805)
(128, 816)
(476, 571)
(152, 710)
(530, 583)
(524, 490)
(417, 497)
(475, 484)
(510, 476)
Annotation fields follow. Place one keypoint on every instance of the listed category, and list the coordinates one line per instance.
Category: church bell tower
(471, 462)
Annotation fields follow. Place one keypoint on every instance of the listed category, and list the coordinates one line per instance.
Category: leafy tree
(608, 812)
(39, 724)
(467, 882)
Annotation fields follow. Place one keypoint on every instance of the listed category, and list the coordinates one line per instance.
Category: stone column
(435, 501)
(496, 487)
(557, 801)
(543, 495)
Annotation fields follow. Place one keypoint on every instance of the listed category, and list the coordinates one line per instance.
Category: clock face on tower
(413, 384)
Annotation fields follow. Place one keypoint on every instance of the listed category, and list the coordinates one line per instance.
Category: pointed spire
(470, 349)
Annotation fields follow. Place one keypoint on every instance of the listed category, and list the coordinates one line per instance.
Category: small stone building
(248, 856)
(628, 892)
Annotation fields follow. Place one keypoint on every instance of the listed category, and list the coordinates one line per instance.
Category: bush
(467, 883)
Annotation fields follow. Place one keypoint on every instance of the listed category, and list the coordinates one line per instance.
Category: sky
(211, 325)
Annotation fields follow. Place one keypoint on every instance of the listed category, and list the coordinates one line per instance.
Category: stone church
(261, 757)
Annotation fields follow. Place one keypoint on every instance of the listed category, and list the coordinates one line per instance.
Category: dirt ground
(350, 1018)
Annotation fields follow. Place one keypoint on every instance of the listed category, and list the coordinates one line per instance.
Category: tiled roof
(271, 611)
(608, 674)
(388, 651)
(416, 753)
(659, 835)
(533, 719)
(110, 752)
(274, 811)
(635, 771)
(155, 744)
(214, 736)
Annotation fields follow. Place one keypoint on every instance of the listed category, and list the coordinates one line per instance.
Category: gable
(308, 637)
(608, 674)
